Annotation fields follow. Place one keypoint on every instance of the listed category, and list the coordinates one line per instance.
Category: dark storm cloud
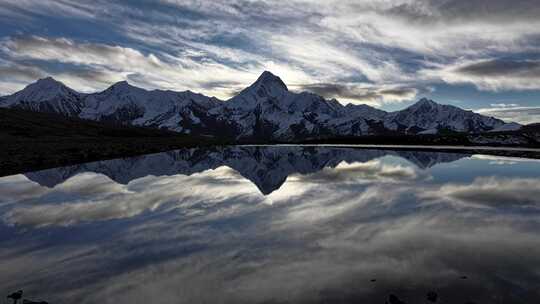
(222, 84)
(22, 72)
(400, 92)
(330, 90)
(335, 90)
(503, 67)
(92, 74)
(461, 10)
(499, 10)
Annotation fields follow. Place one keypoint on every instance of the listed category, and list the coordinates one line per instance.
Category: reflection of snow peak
(174, 237)
(90, 197)
(266, 167)
(154, 181)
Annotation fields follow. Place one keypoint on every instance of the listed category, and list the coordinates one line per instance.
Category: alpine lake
(275, 224)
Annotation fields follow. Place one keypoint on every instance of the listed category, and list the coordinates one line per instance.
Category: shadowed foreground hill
(32, 140)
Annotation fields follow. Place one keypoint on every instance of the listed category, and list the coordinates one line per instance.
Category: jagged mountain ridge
(264, 111)
(268, 110)
(128, 104)
(428, 117)
(265, 166)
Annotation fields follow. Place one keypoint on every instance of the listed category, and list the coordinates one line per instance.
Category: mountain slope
(429, 117)
(268, 167)
(124, 103)
(46, 95)
(268, 110)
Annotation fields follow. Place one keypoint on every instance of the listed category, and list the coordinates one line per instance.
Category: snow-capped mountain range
(266, 110)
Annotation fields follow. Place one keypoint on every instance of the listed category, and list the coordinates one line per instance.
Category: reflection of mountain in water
(267, 167)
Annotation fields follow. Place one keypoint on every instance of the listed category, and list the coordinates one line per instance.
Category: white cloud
(90, 197)
(491, 191)
(504, 105)
(522, 115)
(109, 64)
(67, 8)
(489, 74)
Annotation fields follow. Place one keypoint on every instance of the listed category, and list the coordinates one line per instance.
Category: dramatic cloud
(490, 75)
(500, 74)
(493, 191)
(95, 66)
(523, 115)
(498, 68)
(20, 72)
(97, 198)
(377, 52)
(357, 94)
(361, 173)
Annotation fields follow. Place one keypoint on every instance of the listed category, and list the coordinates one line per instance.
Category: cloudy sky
(476, 54)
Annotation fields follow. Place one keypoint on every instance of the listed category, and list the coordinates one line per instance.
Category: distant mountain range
(264, 111)
(267, 167)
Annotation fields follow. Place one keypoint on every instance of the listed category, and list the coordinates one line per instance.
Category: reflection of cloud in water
(504, 160)
(356, 172)
(492, 191)
(266, 166)
(209, 238)
(91, 197)
(114, 201)
(18, 188)
(264, 253)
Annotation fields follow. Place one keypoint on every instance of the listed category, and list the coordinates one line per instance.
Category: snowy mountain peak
(267, 85)
(47, 83)
(425, 100)
(123, 88)
(48, 80)
(44, 89)
(123, 85)
(364, 111)
(269, 79)
(424, 103)
(46, 95)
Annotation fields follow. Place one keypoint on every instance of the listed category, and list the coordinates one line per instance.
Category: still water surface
(275, 225)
